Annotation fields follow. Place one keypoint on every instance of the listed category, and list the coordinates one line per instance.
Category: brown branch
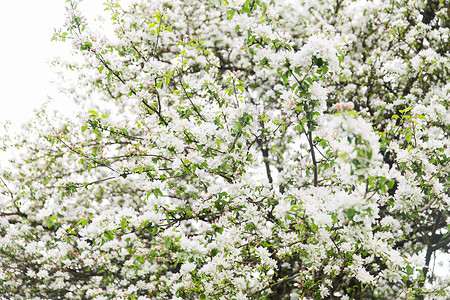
(313, 156)
(85, 156)
(276, 284)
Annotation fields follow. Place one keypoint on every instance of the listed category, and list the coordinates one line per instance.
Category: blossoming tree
(238, 150)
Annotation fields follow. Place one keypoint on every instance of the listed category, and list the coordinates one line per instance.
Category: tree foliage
(238, 150)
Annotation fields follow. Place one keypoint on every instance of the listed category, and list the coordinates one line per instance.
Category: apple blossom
(237, 150)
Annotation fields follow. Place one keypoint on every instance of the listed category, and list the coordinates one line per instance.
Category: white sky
(26, 28)
(26, 52)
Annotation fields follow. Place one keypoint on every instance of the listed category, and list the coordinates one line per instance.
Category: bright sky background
(26, 28)
(26, 52)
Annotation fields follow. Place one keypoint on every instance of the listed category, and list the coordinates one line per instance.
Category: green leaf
(350, 213)
(93, 112)
(86, 46)
(409, 137)
(123, 223)
(157, 192)
(409, 270)
(167, 243)
(391, 184)
(109, 235)
(82, 222)
(49, 223)
(230, 14)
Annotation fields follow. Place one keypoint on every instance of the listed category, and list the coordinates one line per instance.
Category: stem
(430, 251)
(276, 283)
(313, 156)
(143, 101)
(190, 99)
(265, 153)
(158, 34)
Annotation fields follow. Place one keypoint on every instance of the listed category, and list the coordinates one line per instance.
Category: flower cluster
(237, 150)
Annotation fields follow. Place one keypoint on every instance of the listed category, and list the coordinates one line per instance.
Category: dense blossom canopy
(240, 149)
